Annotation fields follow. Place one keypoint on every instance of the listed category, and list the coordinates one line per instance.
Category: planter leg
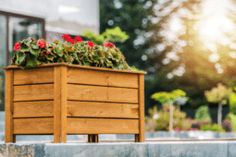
(10, 138)
(93, 138)
(139, 138)
(14, 138)
(9, 127)
(60, 104)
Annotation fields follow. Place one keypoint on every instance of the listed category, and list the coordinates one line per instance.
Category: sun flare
(214, 23)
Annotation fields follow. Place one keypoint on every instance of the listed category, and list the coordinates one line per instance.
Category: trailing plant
(31, 53)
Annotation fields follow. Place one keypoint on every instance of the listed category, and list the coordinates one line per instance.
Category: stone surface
(147, 149)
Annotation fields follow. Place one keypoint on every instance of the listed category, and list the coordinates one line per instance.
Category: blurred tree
(170, 98)
(164, 41)
(219, 95)
(115, 35)
(133, 17)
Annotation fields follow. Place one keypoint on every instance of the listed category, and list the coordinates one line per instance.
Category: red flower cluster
(90, 44)
(17, 46)
(78, 39)
(109, 44)
(41, 43)
(69, 39)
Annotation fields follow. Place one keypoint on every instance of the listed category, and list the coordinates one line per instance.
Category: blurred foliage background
(164, 41)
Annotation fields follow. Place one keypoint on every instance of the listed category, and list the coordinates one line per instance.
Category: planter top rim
(78, 66)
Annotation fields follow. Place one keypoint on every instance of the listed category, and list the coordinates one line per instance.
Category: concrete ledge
(147, 149)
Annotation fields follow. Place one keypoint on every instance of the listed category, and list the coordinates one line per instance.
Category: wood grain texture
(102, 126)
(33, 109)
(33, 92)
(141, 137)
(33, 76)
(106, 94)
(60, 103)
(33, 126)
(95, 109)
(9, 137)
(104, 78)
(61, 99)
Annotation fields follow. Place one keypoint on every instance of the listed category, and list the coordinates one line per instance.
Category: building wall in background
(62, 16)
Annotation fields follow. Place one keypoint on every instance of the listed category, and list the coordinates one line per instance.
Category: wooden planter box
(62, 99)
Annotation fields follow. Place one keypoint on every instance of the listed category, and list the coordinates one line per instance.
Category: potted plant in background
(72, 87)
(220, 96)
(175, 97)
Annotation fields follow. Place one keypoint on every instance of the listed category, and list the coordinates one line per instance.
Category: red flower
(90, 44)
(67, 38)
(109, 44)
(17, 47)
(41, 43)
(78, 39)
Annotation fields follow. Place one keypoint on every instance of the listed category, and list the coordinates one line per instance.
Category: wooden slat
(97, 93)
(95, 109)
(9, 137)
(33, 109)
(60, 103)
(33, 126)
(104, 78)
(33, 92)
(102, 126)
(141, 137)
(33, 76)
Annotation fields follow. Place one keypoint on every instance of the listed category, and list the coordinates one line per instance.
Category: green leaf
(32, 61)
(24, 48)
(34, 52)
(20, 58)
(34, 46)
(59, 50)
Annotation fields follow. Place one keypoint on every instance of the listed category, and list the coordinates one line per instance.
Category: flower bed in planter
(62, 99)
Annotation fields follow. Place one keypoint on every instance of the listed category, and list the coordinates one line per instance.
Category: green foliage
(219, 94)
(134, 19)
(159, 119)
(169, 97)
(232, 103)
(202, 114)
(113, 35)
(97, 38)
(232, 118)
(31, 55)
(212, 127)
(147, 20)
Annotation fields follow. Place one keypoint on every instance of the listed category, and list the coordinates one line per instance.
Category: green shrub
(159, 119)
(212, 127)
(232, 103)
(232, 118)
(202, 114)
